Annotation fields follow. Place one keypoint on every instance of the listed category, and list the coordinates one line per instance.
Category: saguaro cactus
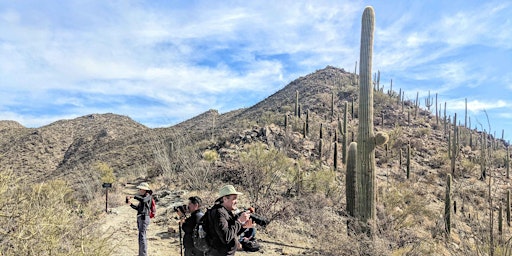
(350, 181)
(455, 145)
(507, 208)
(335, 157)
(408, 173)
(366, 139)
(344, 135)
(447, 205)
(507, 163)
(296, 103)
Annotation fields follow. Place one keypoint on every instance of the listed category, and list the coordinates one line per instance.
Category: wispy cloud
(171, 60)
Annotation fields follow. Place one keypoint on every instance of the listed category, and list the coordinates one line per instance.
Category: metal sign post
(106, 185)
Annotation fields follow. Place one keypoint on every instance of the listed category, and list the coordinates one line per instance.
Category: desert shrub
(106, 172)
(396, 138)
(264, 172)
(210, 155)
(45, 219)
(321, 180)
(421, 132)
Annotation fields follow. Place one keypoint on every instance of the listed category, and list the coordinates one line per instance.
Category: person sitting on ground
(248, 232)
(194, 207)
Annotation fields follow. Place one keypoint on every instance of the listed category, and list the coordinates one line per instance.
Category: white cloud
(478, 106)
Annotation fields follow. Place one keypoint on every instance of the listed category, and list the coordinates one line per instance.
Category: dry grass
(45, 219)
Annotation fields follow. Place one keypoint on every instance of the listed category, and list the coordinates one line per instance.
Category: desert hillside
(287, 153)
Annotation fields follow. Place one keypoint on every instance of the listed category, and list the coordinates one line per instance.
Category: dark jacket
(144, 205)
(223, 230)
(188, 227)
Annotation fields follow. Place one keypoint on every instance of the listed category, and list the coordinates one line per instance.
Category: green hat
(144, 186)
(228, 190)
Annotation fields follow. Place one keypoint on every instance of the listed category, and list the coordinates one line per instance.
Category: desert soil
(163, 232)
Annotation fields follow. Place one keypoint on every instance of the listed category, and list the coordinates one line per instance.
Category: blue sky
(162, 62)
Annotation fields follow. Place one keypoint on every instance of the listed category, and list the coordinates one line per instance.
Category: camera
(181, 208)
(127, 199)
(260, 220)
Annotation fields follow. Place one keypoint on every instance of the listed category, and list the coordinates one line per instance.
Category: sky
(163, 62)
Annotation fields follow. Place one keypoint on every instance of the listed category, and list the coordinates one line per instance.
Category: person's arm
(139, 198)
(225, 231)
(130, 203)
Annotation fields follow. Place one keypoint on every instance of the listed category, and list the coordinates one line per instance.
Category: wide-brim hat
(228, 190)
(144, 186)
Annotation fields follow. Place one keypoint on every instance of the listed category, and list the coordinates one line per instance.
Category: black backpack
(250, 246)
(200, 234)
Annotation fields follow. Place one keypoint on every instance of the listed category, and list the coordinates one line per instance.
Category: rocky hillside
(69, 149)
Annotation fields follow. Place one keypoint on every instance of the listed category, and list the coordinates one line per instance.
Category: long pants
(142, 225)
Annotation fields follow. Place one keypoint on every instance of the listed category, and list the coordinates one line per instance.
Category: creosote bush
(45, 219)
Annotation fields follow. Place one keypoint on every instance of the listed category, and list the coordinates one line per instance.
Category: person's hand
(248, 223)
(244, 217)
(181, 214)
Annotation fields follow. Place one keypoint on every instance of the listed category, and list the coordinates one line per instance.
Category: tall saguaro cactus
(366, 139)
(447, 205)
(350, 181)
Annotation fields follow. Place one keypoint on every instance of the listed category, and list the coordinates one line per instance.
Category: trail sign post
(106, 186)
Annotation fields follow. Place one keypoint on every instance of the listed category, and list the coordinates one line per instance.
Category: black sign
(107, 185)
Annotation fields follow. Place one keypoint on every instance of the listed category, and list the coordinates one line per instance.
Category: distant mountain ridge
(66, 148)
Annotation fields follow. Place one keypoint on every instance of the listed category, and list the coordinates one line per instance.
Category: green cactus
(307, 122)
(483, 156)
(344, 136)
(332, 106)
(400, 160)
(350, 180)
(500, 220)
(408, 161)
(466, 113)
(507, 208)
(321, 131)
(437, 116)
(320, 146)
(507, 163)
(304, 129)
(450, 145)
(367, 140)
(352, 108)
(428, 101)
(296, 103)
(285, 121)
(447, 205)
(335, 160)
(455, 145)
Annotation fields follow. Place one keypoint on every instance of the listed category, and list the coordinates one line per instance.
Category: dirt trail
(122, 224)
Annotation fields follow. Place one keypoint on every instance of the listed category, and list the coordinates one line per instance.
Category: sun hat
(228, 190)
(144, 186)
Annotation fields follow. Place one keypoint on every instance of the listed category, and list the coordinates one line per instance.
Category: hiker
(143, 208)
(248, 232)
(194, 207)
(225, 228)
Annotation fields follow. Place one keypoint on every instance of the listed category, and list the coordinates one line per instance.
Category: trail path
(163, 232)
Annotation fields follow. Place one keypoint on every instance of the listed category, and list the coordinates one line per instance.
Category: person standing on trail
(225, 227)
(194, 207)
(143, 208)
